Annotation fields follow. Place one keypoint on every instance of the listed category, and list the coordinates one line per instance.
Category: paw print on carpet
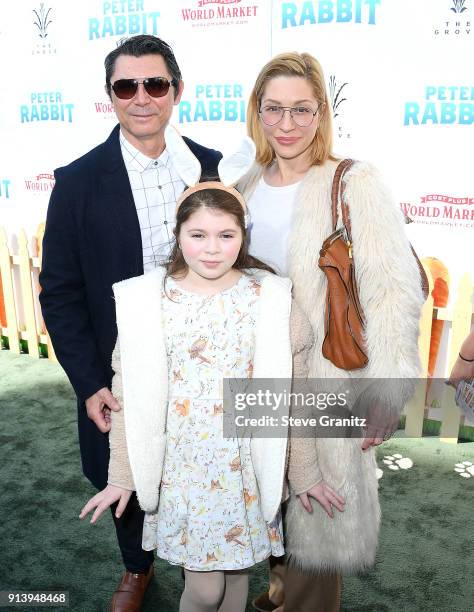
(464, 469)
(394, 462)
(397, 462)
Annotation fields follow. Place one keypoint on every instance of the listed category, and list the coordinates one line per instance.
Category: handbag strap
(337, 195)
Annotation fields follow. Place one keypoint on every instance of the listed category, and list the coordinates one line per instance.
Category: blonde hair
(300, 65)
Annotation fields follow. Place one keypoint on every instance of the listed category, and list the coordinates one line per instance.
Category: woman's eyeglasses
(156, 87)
(301, 115)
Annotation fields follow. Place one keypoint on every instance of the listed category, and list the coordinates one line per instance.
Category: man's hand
(98, 408)
(325, 496)
(104, 499)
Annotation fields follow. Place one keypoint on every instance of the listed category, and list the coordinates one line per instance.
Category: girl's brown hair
(222, 201)
(292, 65)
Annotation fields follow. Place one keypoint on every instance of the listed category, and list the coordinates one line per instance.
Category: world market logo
(41, 183)
(105, 109)
(221, 15)
(204, 2)
(439, 209)
(5, 188)
(123, 18)
(337, 96)
(214, 102)
(458, 27)
(294, 14)
(42, 20)
(443, 105)
(46, 106)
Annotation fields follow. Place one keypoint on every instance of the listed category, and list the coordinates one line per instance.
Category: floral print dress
(209, 515)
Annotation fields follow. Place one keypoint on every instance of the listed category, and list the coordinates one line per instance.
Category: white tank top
(271, 218)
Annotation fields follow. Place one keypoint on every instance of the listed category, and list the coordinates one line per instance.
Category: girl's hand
(325, 496)
(461, 370)
(104, 499)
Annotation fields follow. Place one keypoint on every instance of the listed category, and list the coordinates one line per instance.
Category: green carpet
(424, 562)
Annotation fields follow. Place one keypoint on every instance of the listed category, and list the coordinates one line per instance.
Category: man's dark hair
(136, 46)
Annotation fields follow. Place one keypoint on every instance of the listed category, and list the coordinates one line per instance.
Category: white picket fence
(21, 320)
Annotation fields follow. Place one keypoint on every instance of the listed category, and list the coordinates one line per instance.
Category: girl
(212, 503)
(289, 196)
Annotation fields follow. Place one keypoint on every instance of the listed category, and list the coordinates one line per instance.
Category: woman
(289, 196)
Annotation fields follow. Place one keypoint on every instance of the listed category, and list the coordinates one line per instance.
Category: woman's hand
(463, 368)
(325, 496)
(381, 423)
(461, 371)
(104, 499)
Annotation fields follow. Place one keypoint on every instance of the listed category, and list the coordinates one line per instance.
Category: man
(111, 217)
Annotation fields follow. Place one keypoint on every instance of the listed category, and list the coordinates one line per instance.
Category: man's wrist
(90, 390)
(465, 359)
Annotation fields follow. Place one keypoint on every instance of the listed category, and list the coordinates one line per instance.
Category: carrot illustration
(3, 316)
(440, 294)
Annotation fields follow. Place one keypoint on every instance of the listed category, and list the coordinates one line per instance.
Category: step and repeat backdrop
(399, 72)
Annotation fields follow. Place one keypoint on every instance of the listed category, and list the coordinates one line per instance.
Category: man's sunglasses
(156, 87)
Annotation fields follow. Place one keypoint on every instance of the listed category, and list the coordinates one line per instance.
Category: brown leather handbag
(344, 343)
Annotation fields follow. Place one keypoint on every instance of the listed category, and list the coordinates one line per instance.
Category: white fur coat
(391, 298)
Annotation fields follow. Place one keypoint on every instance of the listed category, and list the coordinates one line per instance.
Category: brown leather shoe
(129, 594)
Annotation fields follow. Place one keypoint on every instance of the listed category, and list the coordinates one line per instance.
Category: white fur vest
(391, 298)
(144, 374)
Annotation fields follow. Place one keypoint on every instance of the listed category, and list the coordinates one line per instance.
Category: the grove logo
(459, 25)
(338, 96)
(42, 20)
(335, 94)
(459, 6)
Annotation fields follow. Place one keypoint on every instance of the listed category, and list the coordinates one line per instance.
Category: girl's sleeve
(303, 469)
(120, 472)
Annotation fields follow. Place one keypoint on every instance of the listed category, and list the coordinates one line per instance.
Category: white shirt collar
(139, 161)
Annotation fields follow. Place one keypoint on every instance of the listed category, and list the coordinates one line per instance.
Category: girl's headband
(231, 168)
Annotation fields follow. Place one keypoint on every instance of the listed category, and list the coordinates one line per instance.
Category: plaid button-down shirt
(156, 187)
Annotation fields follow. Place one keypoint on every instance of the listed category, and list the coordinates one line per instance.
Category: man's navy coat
(92, 240)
